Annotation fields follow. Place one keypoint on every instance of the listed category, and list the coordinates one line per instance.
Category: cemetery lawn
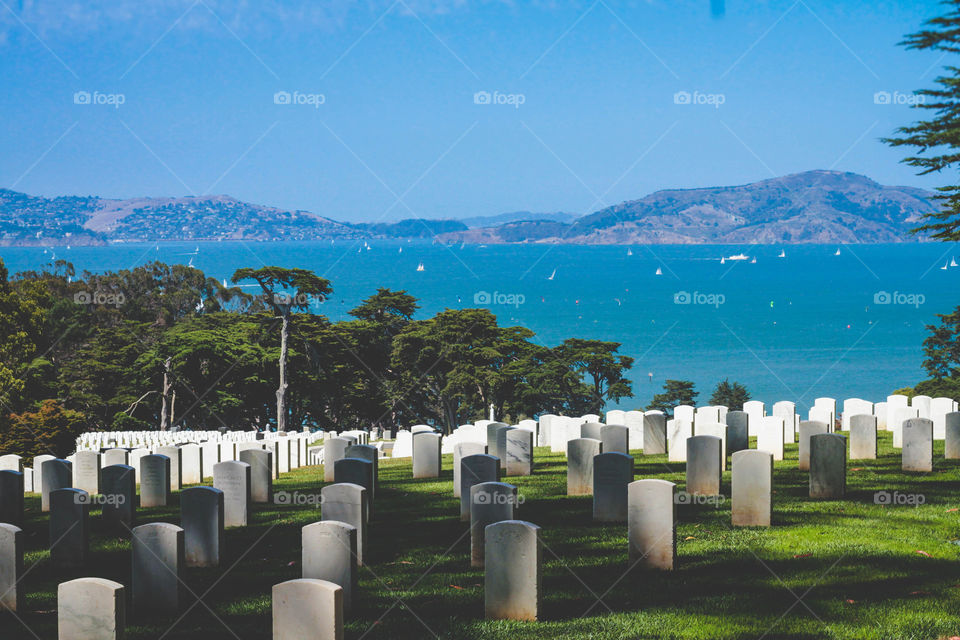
(826, 569)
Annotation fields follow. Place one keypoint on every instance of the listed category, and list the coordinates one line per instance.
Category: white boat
(944, 267)
(953, 262)
(629, 252)
(224, 283)
(783, 254)
(754, 261)
(723, 260)
(838, 251)
(739, 256)
(659, 272)
(420, 267)
(552, 275)
(401, 250)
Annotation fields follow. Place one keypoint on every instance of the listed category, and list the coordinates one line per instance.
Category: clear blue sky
(399, 133)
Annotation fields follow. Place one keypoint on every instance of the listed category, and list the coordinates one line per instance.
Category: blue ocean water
(806, 325)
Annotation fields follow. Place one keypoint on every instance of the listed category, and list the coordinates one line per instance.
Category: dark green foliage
(936, 141)
(111, 351)
(731, 395)
(675, 392)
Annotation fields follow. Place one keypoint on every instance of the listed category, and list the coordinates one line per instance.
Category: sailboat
(401, 250)
(224, 283)
(629, 252)
(944, 267)
(659, 272)
(838, 251)
(953, 262)
(552, 275)
(783, 254)
(420, 267)
(754, 261)
(723, 260)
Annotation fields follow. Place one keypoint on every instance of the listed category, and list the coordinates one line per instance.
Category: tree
(392, 309)
(597, 360)
(21, 322)
(939, 135)
(52, 429)
(379, 319)
(285, 290)
(452, 366)
(218, 372)
(675, 392)
(942, 347)
(731, 395)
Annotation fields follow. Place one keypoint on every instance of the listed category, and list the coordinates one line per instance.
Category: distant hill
(517, 216)
(810, 207)
(88, 220)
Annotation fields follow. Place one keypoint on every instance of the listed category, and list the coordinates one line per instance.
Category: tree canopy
(936, 140)
(167, 345)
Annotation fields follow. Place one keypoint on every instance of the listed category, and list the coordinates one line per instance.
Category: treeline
(162, 346)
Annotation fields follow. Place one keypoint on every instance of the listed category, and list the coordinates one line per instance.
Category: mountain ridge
(808, 207)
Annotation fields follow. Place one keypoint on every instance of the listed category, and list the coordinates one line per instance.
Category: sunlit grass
(843, 569)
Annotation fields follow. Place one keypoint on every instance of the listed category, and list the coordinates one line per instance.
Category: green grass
(854, 564)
